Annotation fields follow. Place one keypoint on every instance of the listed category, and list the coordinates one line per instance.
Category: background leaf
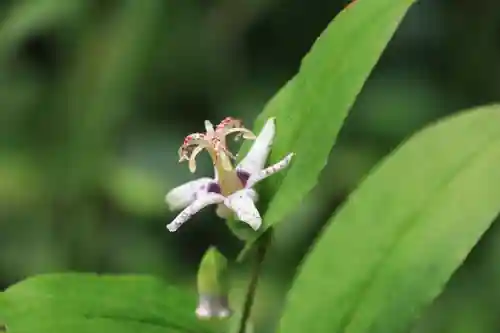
(92, 303)
(40, 16)
(311, 108)
(392, 247)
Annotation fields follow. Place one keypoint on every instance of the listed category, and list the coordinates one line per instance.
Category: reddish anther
(214, 141)
(194, 136)
(228, 121)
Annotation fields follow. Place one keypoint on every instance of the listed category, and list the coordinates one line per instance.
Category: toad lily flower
(231, 188)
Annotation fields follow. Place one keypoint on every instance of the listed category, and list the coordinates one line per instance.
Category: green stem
(260, 254)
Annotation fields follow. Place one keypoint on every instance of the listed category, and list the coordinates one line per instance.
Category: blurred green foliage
(101, 303)
(96, 96)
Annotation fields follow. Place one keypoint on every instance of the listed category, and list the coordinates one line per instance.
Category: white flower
(231, 188)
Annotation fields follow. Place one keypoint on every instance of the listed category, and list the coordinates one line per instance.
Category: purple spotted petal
(243, 176)
(214, 188)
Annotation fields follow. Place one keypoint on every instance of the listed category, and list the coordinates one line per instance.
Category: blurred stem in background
(96, 96)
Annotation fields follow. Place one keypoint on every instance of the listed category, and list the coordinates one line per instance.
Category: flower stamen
(214, 141)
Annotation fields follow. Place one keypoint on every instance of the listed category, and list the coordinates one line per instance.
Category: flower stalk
(231, 189)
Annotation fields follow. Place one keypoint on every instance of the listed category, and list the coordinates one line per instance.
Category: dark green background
(96, 97)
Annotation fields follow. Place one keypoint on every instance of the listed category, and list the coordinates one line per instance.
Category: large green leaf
(311, 108)
(400, 236)
(81, 303)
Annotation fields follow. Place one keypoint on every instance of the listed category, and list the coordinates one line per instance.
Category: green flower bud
(213, 285)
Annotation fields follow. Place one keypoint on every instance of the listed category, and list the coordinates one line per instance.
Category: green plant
(407, 228)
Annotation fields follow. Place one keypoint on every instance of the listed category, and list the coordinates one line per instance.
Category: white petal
(209, 127)
(200, 203)
(263, 174)
(252, 194)
(256, 158)
(241, 202)
(224, 212)
(185, 194)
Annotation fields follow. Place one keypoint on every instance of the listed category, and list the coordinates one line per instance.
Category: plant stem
(260, 254)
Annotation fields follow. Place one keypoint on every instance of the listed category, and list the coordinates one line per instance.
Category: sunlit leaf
(311, 108)
(401, 235)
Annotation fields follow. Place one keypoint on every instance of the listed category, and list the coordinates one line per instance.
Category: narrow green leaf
(81, 303)
(400, 236)
(311, 108)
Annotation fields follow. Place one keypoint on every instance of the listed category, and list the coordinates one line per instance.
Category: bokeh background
(97, 95)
